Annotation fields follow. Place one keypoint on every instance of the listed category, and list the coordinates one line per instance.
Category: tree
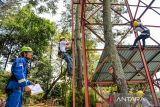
(46, 74)
(9, 7)
(25, 28)
(111, 51)
(78, 57)
(40, 6)
(44, 6)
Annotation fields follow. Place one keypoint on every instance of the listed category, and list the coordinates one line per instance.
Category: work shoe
(131, 48)
(143, 48)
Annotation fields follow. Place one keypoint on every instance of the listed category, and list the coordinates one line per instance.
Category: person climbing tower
(145, 33)
(63, 46)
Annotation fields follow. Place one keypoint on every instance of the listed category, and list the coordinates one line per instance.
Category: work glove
(27, 89)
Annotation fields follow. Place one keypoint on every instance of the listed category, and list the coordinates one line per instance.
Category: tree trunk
(112, 53)
(5, 65)
(78, 56)
(51, 49)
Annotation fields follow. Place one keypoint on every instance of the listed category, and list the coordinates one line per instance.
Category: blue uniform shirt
(19, 70)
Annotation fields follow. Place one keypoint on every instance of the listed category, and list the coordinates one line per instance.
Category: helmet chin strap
(26, 56)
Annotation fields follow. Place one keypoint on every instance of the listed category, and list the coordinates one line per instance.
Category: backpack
(12, 78)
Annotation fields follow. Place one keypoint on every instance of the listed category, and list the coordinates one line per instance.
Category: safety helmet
(26, 49)
(135, 23)
(139, 93)
(114, 88)
(62, 38)
(130, 92)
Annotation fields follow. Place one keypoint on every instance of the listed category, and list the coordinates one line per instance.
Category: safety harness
(60, 53)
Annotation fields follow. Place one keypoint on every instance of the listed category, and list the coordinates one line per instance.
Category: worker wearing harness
(18, 82)
(145, 33)
(142, 102)
(63, 46)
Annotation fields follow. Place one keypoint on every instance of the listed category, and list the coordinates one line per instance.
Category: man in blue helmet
(18, 82)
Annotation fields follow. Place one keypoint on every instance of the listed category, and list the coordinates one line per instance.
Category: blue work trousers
(68, 60)
(15, 98)
(144, 35)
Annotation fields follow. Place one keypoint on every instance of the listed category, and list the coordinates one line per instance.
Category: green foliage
(8, 8)
(43, 73)
(63, 33)
(68, 101)
(31, 100)
(80, 97)
(26, 28)
(66, 20)
(92, 98)
(44, 6)
(41, 6)
(4, 77)
(57, 92)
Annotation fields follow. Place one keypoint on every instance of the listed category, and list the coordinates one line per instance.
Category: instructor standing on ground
(18, 82)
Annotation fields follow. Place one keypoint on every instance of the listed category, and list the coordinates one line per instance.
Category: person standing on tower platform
(145, 33)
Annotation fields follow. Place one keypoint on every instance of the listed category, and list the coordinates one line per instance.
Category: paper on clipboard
(35, 89)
